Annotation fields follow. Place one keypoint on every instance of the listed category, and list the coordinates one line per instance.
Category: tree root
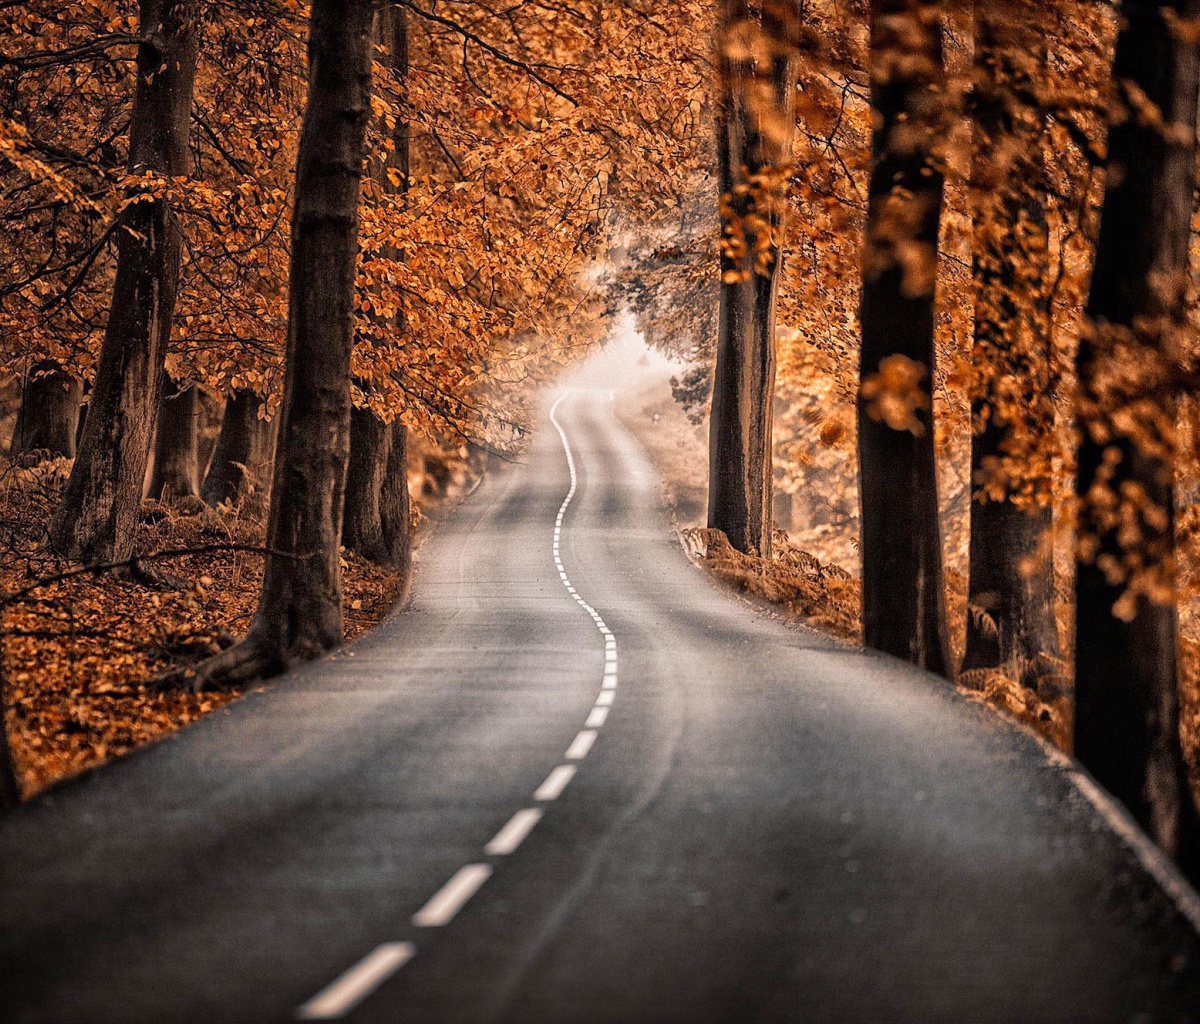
(155, 579)
(252, 659)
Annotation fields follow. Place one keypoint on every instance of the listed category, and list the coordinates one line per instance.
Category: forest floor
(808, 582)
(75, 662)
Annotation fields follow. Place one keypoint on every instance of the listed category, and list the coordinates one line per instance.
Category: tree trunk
(755, 130)
(10, 786)
(903, 593)
(376, 522)
(239, 449)
(1011, 622)
(1126, 691)
(299, 613)
(49, 412)
(96, 520)
(377, 502)
(395, 504)
(370, 441)
(176, 472)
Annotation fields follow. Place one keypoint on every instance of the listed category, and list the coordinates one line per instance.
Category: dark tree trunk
(1126, 690)
(239, 449)
(97, 518)
(10, 787)
(49, 412)
(370, 441)
(395, 504)
(376, 523)
(1011, 590)
(300, 607)
(755, 130)
(209, 409)
(83, 411)
(377, 502)
(393, 34)
(903, 594)
(176, 472)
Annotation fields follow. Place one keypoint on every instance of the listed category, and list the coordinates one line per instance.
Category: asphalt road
(614, 794)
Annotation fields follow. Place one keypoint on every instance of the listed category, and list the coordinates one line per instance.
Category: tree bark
(1127, 700)
(903, 592)
(96, 520)
(10, 786)
(755, 129)
(395, 503)
(299, 613)
(176, 472)
(1011, 573)
(49, 412)
(239, 449)
(377, 503)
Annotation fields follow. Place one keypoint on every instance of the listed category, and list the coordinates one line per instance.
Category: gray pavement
(764, 826)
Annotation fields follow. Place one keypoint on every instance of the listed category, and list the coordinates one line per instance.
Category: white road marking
(580, 745)
(451, 897)
(513, 834)
(351, 988)
(555, 783)
(347, 991)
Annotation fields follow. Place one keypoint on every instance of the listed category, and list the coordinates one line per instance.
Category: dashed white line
(347, 991)
(451, 897)
(513, 834)
(581, 744)
(351, 988)
(555, 783)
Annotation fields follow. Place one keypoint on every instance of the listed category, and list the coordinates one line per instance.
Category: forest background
(534, 173)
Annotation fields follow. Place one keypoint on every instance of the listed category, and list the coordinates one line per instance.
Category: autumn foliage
(873, 225)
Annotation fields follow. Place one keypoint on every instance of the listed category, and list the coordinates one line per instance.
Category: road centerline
(444, 904)
(513, 834)
(350, 988)
(555, 783)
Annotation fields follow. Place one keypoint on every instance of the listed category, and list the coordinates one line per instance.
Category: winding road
(576, 782)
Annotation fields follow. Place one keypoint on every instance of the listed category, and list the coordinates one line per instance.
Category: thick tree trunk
(1126, 690)
(376, 522)
(97, 518)
(49, 412)
(1011, 622)
(239, 449)
(903, 593)
(176, 472)
(755, 130)
(300, 607)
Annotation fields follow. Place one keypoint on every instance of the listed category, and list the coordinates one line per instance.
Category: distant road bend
(575, 782)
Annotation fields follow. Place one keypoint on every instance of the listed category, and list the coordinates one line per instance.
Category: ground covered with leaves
(78, 655)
